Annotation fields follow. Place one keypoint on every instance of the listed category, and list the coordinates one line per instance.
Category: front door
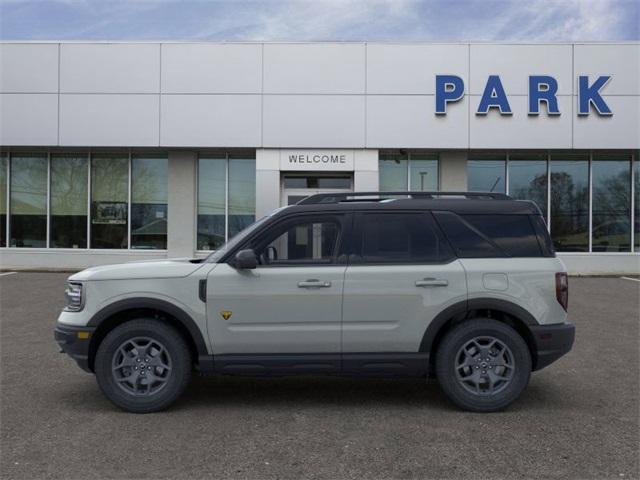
(291, 304)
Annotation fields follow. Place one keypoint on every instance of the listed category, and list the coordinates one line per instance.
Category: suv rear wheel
(483, 365)
(143, 366)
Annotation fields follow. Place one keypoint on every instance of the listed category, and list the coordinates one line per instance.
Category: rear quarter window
(514, 234)
(476, 236)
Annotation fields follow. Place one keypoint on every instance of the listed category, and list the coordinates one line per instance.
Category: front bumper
(552, 342)
(75, 341)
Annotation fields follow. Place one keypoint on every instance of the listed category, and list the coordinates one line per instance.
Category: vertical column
(267, 181)
(366, 176)
(181, 217)
(453, 171)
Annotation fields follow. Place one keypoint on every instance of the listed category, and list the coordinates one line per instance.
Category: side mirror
(245, 260)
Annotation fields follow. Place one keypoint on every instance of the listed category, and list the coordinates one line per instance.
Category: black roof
(457, 202)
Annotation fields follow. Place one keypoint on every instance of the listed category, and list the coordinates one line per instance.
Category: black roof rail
(358, 196)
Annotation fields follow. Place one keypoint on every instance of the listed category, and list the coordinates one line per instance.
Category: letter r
(548, 96)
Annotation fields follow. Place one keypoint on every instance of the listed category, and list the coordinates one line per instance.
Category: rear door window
(466, 240)
(400, 238)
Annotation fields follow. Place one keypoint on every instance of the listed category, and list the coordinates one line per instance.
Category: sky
(321, 20)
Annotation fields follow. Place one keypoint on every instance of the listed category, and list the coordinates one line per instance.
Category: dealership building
(114, 152)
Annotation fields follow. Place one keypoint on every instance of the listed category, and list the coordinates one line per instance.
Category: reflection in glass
(423, 172)
(315, 181)
(611, 205)
(149, 195)
(28, 201)
(528, 179)
(3, 200)
(486, 175)
(211, 202)
(242, 194)
(69, 201)
(636, 194)
(109, 196)
(393, 172)
(302, 243)
(570, 203)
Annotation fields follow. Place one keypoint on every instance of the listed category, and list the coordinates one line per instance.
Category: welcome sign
(317, 160)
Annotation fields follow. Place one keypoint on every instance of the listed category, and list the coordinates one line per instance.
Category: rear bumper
(552, 342)
(74, 345)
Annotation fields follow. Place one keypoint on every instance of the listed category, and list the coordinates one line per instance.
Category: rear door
(401, 274)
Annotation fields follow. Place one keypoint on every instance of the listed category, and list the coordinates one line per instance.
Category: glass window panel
(68, 201)
(611, 205)
(528, 179)
(296, 182)
(149, 195)
(212, 174)
(3, 199)
(468, 243)
(401, 238)
(242, 194)
(636, 189)
(486, 173)
(109, 196)
(514, 234)
(317, 182)
(304, 242)
(28, 201)
(570, 203)
(423, 173)
(334, 182)
(393, 172)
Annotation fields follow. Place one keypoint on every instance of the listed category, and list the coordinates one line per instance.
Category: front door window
(305, 242)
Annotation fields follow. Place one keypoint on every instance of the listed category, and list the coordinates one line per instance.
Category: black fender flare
(154, 303)
(459, 310)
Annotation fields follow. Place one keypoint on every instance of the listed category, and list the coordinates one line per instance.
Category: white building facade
(113, 152)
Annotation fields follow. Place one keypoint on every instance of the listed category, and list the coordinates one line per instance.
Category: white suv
(464, 286)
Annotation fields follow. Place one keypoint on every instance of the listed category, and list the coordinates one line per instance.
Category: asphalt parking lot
(579, 418)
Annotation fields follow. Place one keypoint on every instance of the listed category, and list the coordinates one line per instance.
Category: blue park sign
(542, 89)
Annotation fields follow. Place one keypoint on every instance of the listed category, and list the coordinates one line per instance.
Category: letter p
(449, 88)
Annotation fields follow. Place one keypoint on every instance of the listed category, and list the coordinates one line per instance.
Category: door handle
(313, 283)
(432, 282)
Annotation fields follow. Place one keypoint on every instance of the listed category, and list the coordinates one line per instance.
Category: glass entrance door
(297, 187)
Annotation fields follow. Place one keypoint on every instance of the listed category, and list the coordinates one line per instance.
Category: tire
(154, 355)
(477, 385)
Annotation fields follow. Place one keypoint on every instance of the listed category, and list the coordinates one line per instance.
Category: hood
(169, 268)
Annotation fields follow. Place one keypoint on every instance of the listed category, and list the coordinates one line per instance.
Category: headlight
(74, 297)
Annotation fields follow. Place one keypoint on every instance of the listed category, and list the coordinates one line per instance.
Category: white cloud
(562, 20)
(304, 20)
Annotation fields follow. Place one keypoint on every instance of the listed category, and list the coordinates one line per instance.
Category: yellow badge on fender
(226, 314)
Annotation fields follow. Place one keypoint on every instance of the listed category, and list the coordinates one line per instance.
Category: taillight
(562, 289)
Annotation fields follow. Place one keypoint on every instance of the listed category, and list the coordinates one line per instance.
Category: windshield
(214, 257)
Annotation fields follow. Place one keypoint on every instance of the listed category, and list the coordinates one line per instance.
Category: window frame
(226, 156)
(550, 155)
(49, 153)
(355, 252)
(409, 154)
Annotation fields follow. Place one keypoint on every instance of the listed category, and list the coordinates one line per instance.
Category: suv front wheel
(483, 365)
(143, 366)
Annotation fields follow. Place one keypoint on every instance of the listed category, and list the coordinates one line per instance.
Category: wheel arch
(122, 311)
(502, 310)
